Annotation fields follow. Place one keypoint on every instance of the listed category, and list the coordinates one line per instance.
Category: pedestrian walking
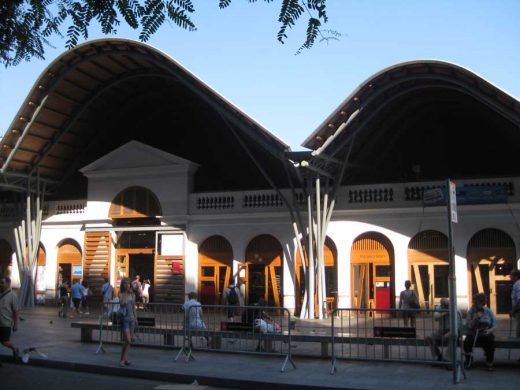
(9, 316)
(85, 292)
(128, 319)
(64, 299)
(76, 296)
(146, 291)
(232, 298)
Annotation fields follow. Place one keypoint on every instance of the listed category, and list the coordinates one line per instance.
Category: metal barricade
(261, 330)
(158, 325)
(381, 335)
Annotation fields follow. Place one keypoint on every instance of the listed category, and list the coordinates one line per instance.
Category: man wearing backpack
(137, 288)
(232, 297)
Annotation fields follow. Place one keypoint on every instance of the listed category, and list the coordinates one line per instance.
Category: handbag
(122, 312)
(413, 302)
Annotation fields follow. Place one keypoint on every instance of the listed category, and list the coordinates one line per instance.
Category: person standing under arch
(232, 297)
(408, 302)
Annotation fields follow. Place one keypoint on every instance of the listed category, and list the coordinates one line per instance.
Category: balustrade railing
(348, 198)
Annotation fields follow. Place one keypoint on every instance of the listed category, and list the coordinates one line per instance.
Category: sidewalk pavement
(57, 345)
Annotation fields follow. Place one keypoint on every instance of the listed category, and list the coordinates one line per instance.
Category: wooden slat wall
(169, 286)
(97, 259)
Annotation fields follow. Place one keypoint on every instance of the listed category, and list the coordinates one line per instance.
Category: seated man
(480, 323)
(193, 314)
(441, 337)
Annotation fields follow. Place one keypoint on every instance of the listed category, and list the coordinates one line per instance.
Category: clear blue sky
(235, 51)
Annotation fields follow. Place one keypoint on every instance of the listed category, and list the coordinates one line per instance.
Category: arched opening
(372, 271)
(263, 270)
(135, 202)
(69, 267)
(215, 269)
(6, 256)
(428, 266)
(491, 257)
(135, 248)
(330, 255)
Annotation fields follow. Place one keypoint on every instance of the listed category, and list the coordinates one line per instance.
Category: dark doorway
(257, 281)
(66, 273)
(141, 264)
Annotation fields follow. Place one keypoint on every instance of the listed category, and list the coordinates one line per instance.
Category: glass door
(362, 296)
(122, 260)
(430, 281)
(492, 279)
(212, 282)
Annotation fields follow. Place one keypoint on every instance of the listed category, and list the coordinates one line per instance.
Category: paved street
(23, 377)
(61, 350)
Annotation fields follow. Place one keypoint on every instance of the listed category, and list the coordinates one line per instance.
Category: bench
(504, 342)
(236, 326)
(87, 327)
(395, 331)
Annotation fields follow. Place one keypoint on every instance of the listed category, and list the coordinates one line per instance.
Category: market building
(147, 170)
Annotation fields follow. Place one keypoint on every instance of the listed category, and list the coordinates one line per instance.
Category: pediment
(135, 155)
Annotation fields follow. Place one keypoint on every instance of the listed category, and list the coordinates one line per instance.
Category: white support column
(400, 265)
(311, 271)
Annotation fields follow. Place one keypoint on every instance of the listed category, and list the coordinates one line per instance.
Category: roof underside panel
(101, 95)
(422, 122)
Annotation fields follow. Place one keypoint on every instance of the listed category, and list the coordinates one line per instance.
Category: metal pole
(452, 285)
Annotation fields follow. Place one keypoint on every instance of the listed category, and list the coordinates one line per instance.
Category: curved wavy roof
(419, 113)
(105, 92)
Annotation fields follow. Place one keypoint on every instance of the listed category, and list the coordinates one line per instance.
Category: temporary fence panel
(381, 335)
(158, 325)
(261, 330)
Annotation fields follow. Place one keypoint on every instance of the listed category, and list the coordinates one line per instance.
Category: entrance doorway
(215, 268)
(372, 274)
(264, 274)
(213, 280)
(129, 264)
(429, 267)
(69, 262)
(491, 257)
(141, 264)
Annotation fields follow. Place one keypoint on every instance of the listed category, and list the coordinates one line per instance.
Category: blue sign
(77, 270)
(468, 195)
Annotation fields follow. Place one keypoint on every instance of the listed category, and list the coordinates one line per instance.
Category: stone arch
(264, 270)
(215, 269)
(372, 271)
(135, 202)
(69, 261)
(428, 266)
